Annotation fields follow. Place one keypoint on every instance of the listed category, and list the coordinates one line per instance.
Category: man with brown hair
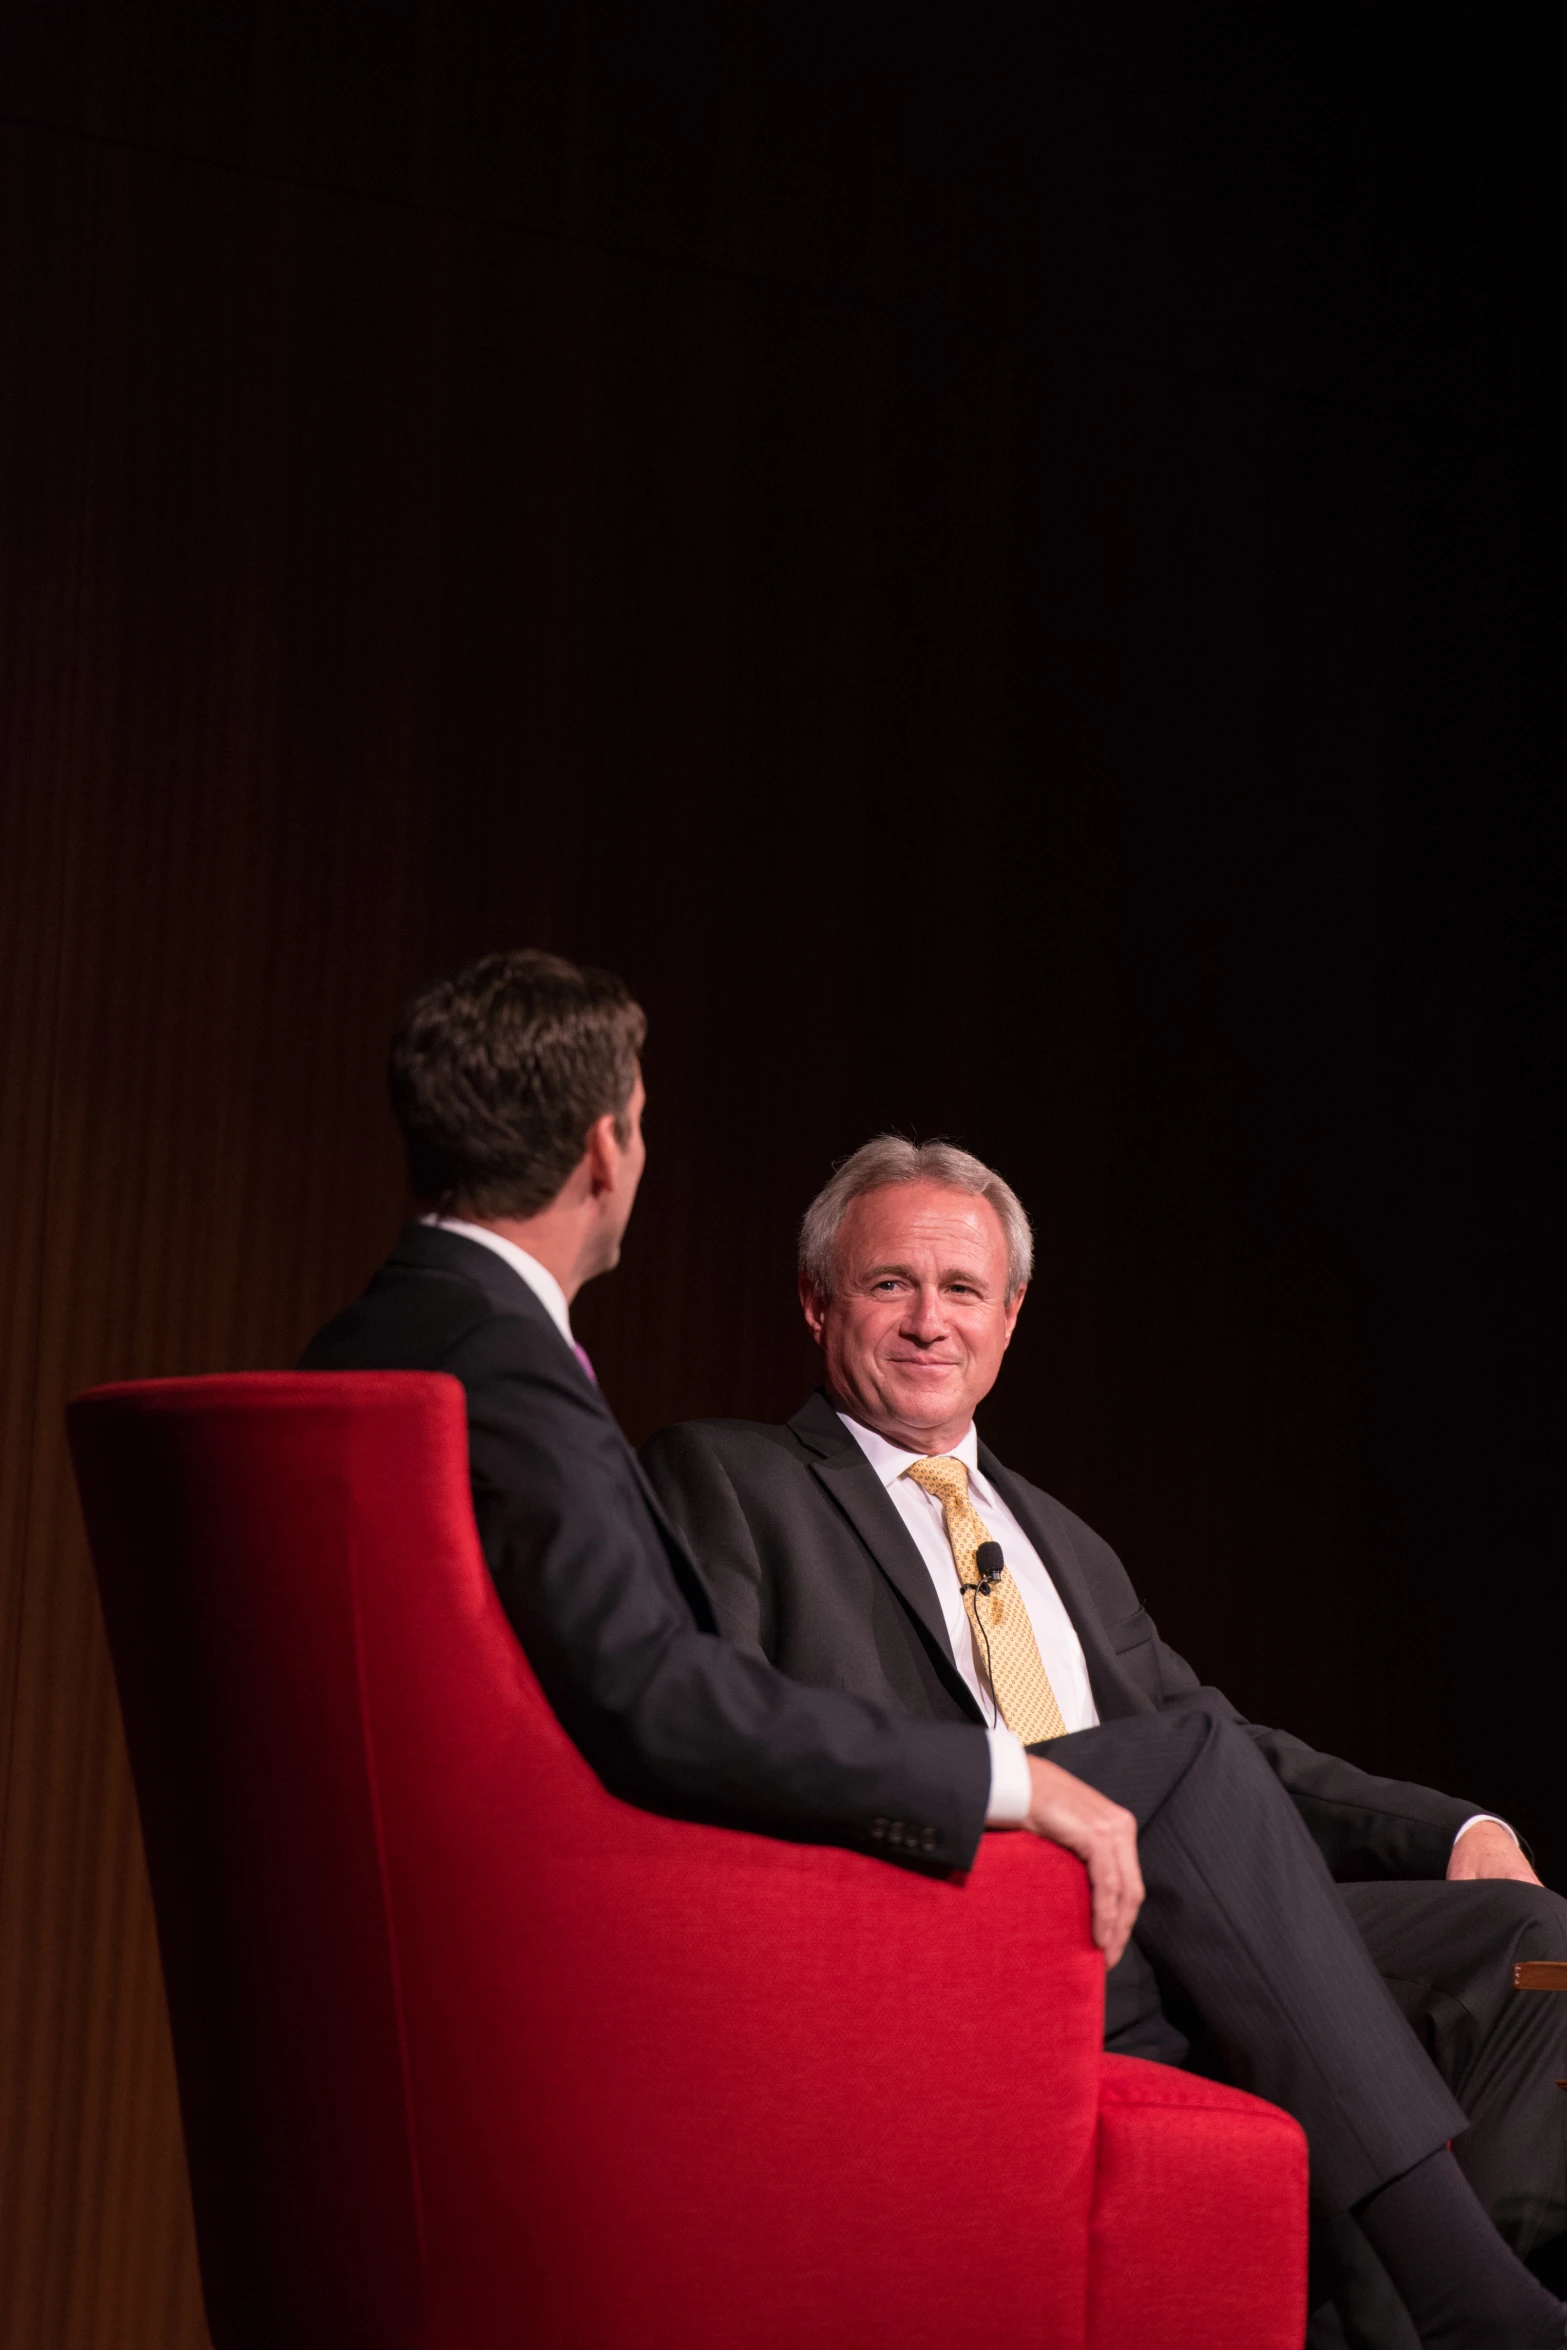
(519, 1093)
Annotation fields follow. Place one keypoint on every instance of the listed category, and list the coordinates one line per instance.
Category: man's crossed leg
(1244, 1932)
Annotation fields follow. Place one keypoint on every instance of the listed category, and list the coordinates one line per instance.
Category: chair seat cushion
(1198, 2232)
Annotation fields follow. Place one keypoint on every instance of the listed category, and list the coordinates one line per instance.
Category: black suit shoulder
(436, 1289)
(418, 1319)
(738, 1439)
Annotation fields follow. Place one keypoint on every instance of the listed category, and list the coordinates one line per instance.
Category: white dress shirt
(540, 1280)
(1060, 1650)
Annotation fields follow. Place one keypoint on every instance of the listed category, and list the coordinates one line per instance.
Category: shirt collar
(540, 1280)
(890, 1460)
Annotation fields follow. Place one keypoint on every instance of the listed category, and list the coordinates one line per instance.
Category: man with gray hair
(876, 1548)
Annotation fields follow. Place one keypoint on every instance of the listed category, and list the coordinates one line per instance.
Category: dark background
(1006, 571)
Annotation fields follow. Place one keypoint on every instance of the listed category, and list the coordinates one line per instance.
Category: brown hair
(497, 1075)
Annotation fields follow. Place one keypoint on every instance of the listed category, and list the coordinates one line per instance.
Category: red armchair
(473, 2056)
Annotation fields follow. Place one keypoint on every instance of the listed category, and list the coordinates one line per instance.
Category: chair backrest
(473, 2055)
(234, 1524)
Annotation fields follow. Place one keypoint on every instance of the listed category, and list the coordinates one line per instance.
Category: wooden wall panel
(216, 835)
(91, 2170)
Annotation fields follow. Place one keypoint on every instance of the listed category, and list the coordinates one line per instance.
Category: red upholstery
(473, 2056)
(1221, 2169)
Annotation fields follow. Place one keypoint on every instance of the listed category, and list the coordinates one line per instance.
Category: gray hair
(889, 1160)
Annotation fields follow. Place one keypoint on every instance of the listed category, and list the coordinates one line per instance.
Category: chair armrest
(796, 2049)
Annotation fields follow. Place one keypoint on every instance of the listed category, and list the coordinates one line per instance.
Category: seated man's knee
(1206, 1734)
(1540, 1917)
(1207, 1719)
(1518, 1920)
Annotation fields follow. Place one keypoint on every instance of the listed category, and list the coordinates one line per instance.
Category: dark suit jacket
(810, 1566)
(605, 1600)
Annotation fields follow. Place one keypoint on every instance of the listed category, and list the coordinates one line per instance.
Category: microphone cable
(990, 1574)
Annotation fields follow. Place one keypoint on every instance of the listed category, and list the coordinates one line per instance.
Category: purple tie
(581, 1354)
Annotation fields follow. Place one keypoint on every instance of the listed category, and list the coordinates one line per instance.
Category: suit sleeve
(1364, 1826)
(669, 1715)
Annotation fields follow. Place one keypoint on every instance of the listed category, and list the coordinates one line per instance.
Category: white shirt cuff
(1011, 1788)
(1472, 1822)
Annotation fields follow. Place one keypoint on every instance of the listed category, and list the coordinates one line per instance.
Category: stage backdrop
(1006, 579)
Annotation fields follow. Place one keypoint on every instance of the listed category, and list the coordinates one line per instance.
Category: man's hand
(1486, 1849)
(1100, 1833)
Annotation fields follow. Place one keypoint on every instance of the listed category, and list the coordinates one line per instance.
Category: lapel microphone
(990, 1564)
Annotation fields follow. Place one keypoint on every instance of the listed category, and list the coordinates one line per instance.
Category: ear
(1012, 1305)
(813, 1308)
(601, 1155)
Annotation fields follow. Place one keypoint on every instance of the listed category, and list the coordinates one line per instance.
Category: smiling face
(919, 1318)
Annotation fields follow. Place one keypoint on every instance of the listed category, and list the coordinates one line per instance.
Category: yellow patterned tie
(998, 1618)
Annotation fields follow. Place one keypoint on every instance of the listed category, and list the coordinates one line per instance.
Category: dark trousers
(1246, 1952)
(1383, 2016)
(1447, 1953)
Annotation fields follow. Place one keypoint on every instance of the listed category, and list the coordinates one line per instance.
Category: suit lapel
(1114, 1694)
(846, 1476)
